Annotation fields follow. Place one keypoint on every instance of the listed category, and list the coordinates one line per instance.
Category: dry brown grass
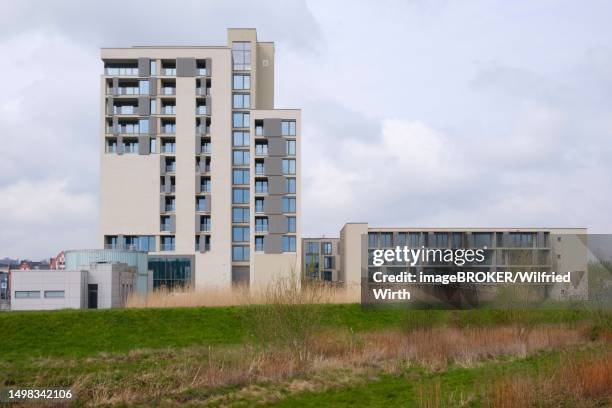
(574, 383)
(189, 297)
(335, 357)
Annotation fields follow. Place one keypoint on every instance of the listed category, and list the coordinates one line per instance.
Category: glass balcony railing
(166, 247)
(171, 168)
(168, 148)
(205, 188)
(206, 148)
(168, 71)
(201, 207)
(258, 130)
(204, 168)
(203, 91)
(164, 227)
(202, 129)
(168, 90)
(168, 128)
(169, 208)
(128, 90)
(204, 227)
(163, 188)
(202, 72)
(125, 110)
(121, 71)
(202, 110)
(111, 148)
(261, 150)
(169, 110)
(131, 148)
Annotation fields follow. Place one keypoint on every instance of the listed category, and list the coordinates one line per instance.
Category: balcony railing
(202, 110)
(169, 208)
(206, 247)
(205, 188)
(204, 168)
(131, 148)
(202, 130)
(163, 188)
(203, 91)
(202, 72)
(121, 71)
(259, 169)
(206, 148)
(168, 71)
(125, 110)
(201, 207)
(131, 90)
(258, 130)
(168, 148)
(168, 129)
(170, 169)
(169, 110)
(164, 227)
(111, 148)
(204, 227)
(166, 247)
(168, 90)
(261, 150)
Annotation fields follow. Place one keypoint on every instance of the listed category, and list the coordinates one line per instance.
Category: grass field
(310, 355)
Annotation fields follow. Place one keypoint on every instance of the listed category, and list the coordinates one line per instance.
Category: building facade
(321, 259)
(95, 286)
(197, 166)
(546, 249)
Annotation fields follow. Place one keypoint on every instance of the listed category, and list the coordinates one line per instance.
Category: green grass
(75, 333)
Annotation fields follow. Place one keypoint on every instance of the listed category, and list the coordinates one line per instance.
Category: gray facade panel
(167, 183)
(152, 125)
(198, 183)
(120, 145)
(273, 205)
(115, 86)
(277, 146)
(162, 165)
(273, 244)
(185, 67)
(144, 106)
(273, 166)
(173, 223)
(144, 67)
(208, 105)
(152, 86)
(110, 101)
(240, 275)
(162, 203)
(209, 66)
(277, 224)
(144, 144)
(272, 127)
(276, 185)
(198, 144)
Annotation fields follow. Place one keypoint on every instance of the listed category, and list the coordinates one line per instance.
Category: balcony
(201, 72)
(169, 208)
(202, 130)
(128, 90)
(166, 90)
(204, 168)
(261, 150)
(121, 71)
(168, 148)
(166, 247)
(258, 130)
(203, 91)
(205, 188)
(163, 188)
(131, 148)
(168, 128)
(170, 168)
(204, 227)
(206, 247)
(125, 110)
(164, 227)
(202, 110)
(169, 110)
(206, 148)
(168, 71)
(201, 208)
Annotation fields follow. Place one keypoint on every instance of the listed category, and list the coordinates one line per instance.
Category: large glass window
(240, 253)
(241, 158)
(241, 55)
(291, 224)
(290, 144)
(259, 244)
(288, 166)
(241, 139)
(290, 185)
(240, 215)
(259, 205)
(241, 101)
(240, 177)
(261, 186)
(261, 224)
(482, 239)
(240, 195)
(288, 128)
(327, 248)
(241, 120)
(288, 243)
(170, 272)
(242, 82)
(143, 87)
(289, 205)
(240, 234)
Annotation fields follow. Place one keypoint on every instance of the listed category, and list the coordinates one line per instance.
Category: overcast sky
(415, 113)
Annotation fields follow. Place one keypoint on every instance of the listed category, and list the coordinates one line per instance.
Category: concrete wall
(71, 282)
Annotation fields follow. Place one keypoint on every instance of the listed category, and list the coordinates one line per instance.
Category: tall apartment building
(197, 167)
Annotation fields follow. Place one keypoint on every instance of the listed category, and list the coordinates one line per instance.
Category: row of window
(35, 294)
(456, 239)
(240, 253)
(313, 248)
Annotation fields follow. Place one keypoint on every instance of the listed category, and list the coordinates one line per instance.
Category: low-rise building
(96, 286)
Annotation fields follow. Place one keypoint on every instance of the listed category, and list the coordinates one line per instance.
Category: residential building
(321, 259)
(95, 286)
(547, 249)
(198, 168)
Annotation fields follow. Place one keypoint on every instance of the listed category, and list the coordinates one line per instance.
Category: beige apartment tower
(197, 166)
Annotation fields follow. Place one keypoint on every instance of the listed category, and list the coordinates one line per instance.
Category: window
(241, 120)
(205, 223)
(54, 293)
(241, 139)
(153, 67)
(386, 239)
(241, 55)
(328, 262)
(240, 177)
(241, 158)
(261, 149)
(312, 248)
(167, 243)
(327, 248)
(289, 205)
(259, 167)
(143, 87)
(288, 166)
(290, 145)
(482, 239)
(261, 224)
(153, 106)
(259, 244)
(414, 239)
(241, 101)
(261, 186)
(242, 82)
(440, 239)
(259, 205)
(240, 253)
(240, 234)
(288, 128)
(291, 224)
(290, 185)
(27, 294)
(327, 276)
(206, 186)
(288, 243)
(201, 204)
(240, 215)
(240, 196)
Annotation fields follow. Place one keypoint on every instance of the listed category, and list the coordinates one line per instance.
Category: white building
(97, 286)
